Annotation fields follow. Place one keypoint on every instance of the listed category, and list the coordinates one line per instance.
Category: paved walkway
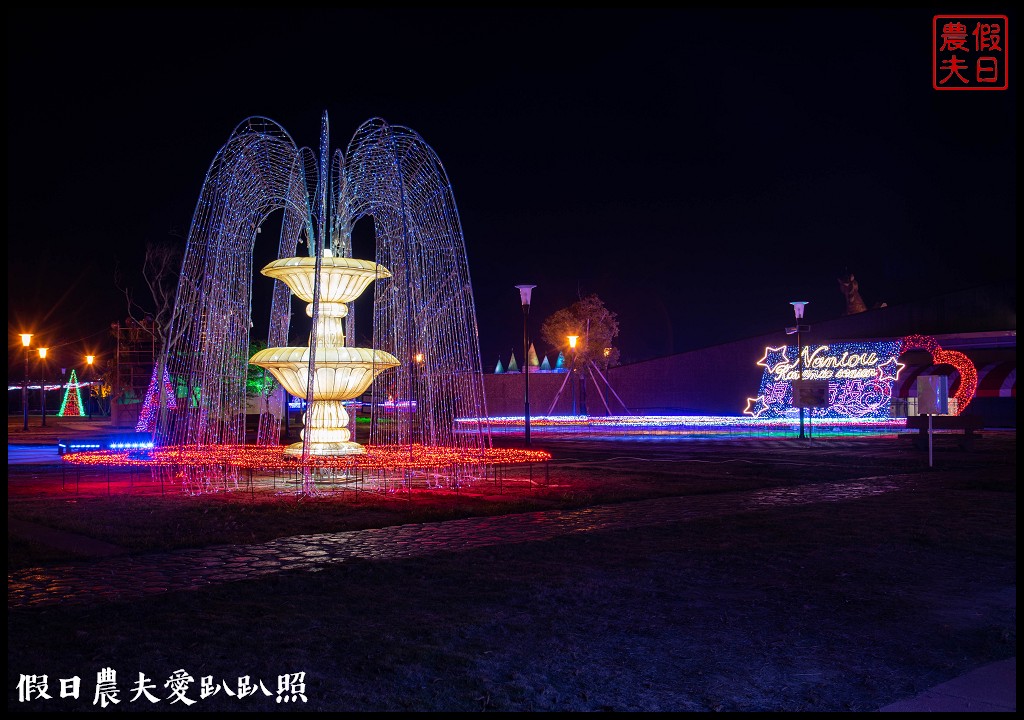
(991, 688)
(122, 578)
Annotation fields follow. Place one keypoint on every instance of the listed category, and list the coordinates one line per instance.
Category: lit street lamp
(417, 373)
(524, 297)
(42, 381)
(89, 399)
(572, 370)
(798, 311)
(26, 341)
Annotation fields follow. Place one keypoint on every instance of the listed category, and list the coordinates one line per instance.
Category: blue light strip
(617, 425)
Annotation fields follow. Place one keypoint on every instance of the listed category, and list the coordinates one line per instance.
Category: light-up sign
(861, 379)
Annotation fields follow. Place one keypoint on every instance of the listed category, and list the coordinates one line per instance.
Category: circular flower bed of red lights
(266, 457)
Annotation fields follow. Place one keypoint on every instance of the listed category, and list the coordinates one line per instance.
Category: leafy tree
(595, 325)
(258, 381)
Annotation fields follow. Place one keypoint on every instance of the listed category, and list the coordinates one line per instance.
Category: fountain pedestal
(339, 373)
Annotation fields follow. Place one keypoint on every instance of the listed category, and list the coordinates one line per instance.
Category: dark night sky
(697, 169)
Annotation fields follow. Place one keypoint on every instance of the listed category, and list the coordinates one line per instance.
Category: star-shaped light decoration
(773, 357)
(758, 404)
(890, 370)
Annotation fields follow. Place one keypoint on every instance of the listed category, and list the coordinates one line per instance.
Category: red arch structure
(962, 364)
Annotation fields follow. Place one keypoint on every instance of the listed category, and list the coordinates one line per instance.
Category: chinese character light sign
(969, 52)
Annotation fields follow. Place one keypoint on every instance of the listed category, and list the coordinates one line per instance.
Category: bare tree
(161, 268)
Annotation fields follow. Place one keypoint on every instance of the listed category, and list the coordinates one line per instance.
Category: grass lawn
(834, 606)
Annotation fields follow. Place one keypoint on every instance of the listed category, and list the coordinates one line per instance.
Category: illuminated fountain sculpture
(388, 181)
(340, 373)
(424, 330)
(387, 188)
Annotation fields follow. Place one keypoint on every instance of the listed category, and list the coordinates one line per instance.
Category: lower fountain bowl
(341, 373)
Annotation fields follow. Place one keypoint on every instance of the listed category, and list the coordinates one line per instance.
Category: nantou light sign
(861, 379)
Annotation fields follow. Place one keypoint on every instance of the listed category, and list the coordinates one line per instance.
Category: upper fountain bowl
(342, 280)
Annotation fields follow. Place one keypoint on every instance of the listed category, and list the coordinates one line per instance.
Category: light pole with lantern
(572, 370)
(89, 399)
(798, 311)
(42, 381)
(524, 297)
(417, 376)
(26, 342)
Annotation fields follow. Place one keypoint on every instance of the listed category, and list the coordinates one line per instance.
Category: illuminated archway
(961, 363)
(389, 174)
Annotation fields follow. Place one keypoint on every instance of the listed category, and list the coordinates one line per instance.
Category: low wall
(713, 381)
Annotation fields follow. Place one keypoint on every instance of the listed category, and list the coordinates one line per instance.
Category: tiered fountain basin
(343, 370)
(340, 373)
(342, 279)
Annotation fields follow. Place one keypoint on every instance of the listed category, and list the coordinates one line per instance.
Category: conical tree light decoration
(533, 363)
(71, 405)
(151, 405)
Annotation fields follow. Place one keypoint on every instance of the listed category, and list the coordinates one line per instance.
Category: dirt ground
(836, 606)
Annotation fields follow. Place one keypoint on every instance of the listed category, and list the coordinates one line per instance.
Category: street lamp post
(89, 400)
(26, 341)
(417, 372)
(42, 381)
(603, 391)
(583, 388)
(524, 297)
(798, 311)
(572, 370)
